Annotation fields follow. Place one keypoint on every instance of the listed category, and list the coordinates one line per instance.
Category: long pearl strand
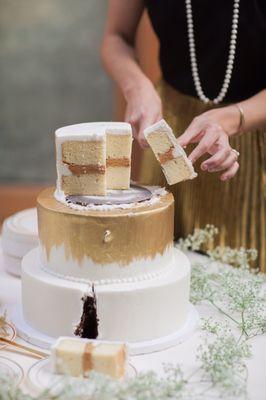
(193, 57)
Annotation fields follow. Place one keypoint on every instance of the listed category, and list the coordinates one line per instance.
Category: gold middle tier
(103, 237)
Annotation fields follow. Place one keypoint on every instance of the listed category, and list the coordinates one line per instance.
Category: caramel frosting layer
(137, 232)
(86, 169)
(167, 156)
(118, 162)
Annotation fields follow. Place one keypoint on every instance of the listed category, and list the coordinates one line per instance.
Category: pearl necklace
(193, 57)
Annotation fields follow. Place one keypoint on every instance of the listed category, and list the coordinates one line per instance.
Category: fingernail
(204, 167)
(224, 178)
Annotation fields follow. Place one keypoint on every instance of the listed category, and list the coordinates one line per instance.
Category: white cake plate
(36, 338)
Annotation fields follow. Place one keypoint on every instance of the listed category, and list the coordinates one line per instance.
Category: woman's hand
(144, 108)
(211, 130)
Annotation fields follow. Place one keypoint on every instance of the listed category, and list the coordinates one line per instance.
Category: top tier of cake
(93, 157)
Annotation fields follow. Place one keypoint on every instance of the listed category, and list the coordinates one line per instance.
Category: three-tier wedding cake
(103, 270)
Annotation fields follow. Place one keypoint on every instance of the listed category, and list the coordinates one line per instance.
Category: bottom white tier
(131, 312)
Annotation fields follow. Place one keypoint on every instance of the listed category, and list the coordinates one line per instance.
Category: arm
(118, 55)
(212, 130)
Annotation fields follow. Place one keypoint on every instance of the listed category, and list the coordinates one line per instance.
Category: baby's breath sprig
(198, 238)
(236, 293)
(236, 257)
(222, 357)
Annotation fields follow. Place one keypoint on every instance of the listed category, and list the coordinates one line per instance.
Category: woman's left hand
(211, 130)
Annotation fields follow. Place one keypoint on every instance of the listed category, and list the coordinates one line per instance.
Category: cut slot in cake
(88, 325)
(118, 156)
(173, 159)
(77, 357)
(93, 157)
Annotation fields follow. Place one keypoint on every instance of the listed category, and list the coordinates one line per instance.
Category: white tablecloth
(183, 353)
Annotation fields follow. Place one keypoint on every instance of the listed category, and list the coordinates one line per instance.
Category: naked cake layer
(93, 183)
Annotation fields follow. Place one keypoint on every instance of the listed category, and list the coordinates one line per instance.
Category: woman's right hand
(144, 108)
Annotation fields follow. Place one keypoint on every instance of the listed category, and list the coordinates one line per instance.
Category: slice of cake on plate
(118, 153)
(81, 159)
(172, 157)
(78, 357)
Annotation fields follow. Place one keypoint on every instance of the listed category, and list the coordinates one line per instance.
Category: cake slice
(173, 159)
(81, 159)
(77, 357)
(118, 155)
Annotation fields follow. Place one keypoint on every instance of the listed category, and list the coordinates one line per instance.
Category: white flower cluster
(222, 356)
(235, 257)
(199, 237)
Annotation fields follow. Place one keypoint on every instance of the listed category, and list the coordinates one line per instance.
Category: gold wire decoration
(7, 330)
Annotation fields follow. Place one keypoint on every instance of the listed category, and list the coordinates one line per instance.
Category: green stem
(240, 337)
(243, 323)
(258, 333)
(224, 312)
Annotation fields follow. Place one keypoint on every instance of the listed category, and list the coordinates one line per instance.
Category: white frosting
(92, 130)
(87, 271)
(131, 312)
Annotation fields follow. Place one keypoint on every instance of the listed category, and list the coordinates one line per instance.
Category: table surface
(183, 353)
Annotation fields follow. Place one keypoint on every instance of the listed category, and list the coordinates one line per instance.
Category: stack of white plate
(19, 235)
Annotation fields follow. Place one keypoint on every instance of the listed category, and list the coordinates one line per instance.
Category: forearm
(120, 62)
(254, 110)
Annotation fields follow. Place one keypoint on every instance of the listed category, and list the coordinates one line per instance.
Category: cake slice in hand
(78, 357)
(118, 155)
(173, 159)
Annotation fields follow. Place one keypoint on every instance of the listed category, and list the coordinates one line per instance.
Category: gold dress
(237, 207)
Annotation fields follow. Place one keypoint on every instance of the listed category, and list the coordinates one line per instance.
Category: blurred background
(50, 76)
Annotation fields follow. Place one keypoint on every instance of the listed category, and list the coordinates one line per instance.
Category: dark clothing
(212, 29)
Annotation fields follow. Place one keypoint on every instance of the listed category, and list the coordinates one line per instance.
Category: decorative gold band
(241, 119)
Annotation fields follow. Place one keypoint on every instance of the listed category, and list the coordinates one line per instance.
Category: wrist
(133, 87)
(228, 117)
(234, 119)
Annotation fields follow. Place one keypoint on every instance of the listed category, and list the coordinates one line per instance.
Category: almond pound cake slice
(174, 162)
